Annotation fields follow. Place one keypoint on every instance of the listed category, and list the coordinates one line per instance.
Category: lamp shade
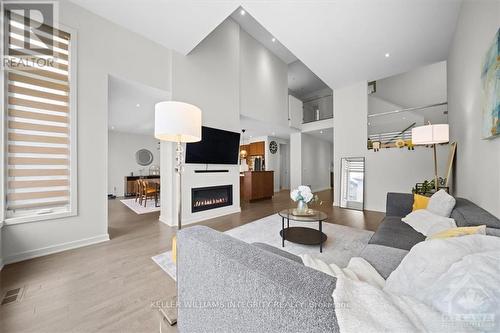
(430, 134)
(177, 122)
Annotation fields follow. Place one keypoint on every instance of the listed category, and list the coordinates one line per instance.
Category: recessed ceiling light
(320, 132)
(112, 128)
(138, 105)
(242, 12)
(250, 136)
(387, 55)
(273, 40)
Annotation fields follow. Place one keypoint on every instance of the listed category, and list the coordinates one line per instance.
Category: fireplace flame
(208, 202)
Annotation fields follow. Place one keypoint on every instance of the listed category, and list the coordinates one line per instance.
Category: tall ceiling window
(39, 121)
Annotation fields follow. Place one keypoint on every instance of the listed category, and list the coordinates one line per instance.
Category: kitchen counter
(256, 185)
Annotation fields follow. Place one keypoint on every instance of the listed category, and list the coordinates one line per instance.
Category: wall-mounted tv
(216, 147)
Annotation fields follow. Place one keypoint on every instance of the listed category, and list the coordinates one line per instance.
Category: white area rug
(342, 244)
(164, 260)
(140, 209)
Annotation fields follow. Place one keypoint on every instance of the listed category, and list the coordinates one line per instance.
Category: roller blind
(38, 121)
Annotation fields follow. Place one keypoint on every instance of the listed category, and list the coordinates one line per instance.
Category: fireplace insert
(204, 198)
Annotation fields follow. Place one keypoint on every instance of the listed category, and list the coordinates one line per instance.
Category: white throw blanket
(421, 294)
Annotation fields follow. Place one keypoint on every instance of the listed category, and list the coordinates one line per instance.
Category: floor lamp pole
(178, 158)
(170, 313)
(435, 168)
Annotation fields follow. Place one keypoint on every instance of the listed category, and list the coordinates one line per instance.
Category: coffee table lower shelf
(302, 235)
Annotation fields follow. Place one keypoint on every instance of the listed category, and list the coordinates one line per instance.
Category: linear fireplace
(204, 198)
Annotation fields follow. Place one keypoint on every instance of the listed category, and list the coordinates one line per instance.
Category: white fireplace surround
(190, 180)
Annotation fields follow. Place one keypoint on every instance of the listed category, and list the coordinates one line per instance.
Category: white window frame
(73, 178)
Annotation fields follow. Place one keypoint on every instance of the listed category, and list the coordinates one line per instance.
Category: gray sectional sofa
(226, 285)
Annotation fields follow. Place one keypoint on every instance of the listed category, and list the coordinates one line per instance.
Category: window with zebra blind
(39, 121)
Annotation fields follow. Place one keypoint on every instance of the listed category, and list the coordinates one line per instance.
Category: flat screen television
(216, 147)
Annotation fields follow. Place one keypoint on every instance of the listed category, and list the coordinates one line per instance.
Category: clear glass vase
(301, 206)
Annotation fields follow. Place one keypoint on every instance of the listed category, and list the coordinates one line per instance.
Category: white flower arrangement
(302, 193)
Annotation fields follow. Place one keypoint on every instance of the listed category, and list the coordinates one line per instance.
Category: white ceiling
(342, 41)
(124, 114)
(256, 128)
(324, 134)
(248, 23)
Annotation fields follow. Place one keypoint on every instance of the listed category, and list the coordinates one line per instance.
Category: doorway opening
(133, 152)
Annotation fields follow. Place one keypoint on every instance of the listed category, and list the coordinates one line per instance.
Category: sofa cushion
(384, 259)
(441, 203)
(493, 232)
(277, 251)
(428, 223)
(395, 233)
(468, 214)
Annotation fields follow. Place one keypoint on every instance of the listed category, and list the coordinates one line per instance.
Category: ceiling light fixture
(387, 55)
(320, 132)
(138, 105)
(242, 12)
(273, 40)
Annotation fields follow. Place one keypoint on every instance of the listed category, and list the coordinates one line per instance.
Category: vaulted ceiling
(342, 41)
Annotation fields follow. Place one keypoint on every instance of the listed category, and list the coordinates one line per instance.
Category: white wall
(263, 83)
(284, 156)
(389, 170)
(295, 112)
(295, 160)
(273, 161)
(121, 157)
(103, 48)
(478, 161)
(317, 156)
(209, 78)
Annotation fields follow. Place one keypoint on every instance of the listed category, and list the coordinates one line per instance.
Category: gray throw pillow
(441, 203)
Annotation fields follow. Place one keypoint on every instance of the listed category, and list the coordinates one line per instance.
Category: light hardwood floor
(110, 287)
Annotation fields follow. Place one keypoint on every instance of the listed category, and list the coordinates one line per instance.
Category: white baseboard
(21, 256)
(166, 220)
(204, 215)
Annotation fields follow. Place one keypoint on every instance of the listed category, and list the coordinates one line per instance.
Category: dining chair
(148, 191)
(138, 191)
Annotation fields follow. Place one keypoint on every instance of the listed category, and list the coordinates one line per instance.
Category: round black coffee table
(303, 235)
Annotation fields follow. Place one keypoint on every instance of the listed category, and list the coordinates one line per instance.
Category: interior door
(284, 167)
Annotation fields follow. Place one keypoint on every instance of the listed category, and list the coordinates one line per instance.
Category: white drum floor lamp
(177, 122)
(431, 135)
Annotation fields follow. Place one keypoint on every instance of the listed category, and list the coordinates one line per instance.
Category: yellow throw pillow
(174, 249)
(420, 202)
(457, 232)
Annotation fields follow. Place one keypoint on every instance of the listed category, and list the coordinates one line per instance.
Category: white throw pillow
(441, 203)
(428, 223)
